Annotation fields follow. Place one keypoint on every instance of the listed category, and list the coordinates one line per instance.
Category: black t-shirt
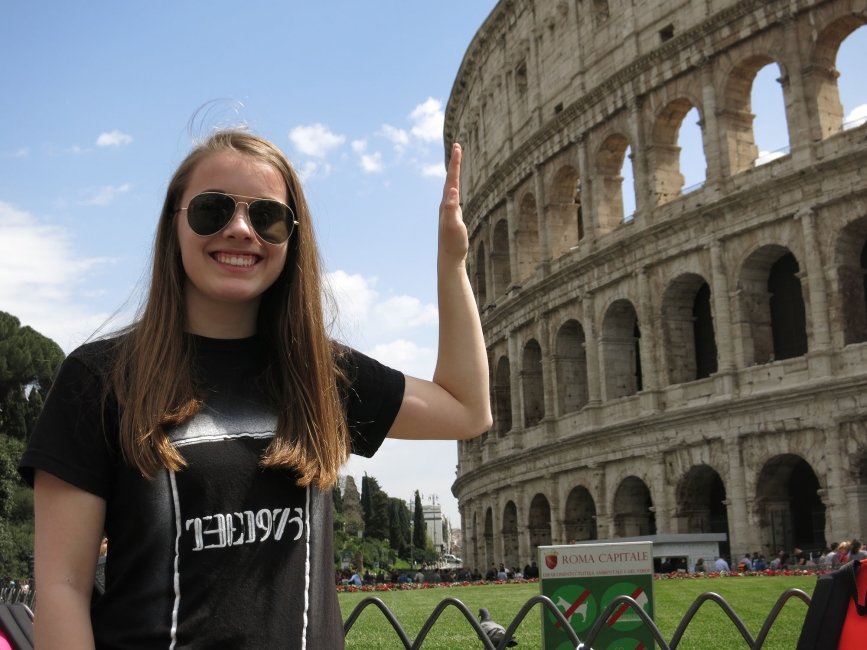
(223, 554)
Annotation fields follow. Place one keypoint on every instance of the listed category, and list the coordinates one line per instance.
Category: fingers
(453, 175)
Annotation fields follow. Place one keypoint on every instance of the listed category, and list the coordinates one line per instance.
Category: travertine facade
(699, 367)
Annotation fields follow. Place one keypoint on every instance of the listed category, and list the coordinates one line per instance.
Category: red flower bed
(734, 574)
(409, 586)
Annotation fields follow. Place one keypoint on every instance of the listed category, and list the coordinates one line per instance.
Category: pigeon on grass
(494, 630)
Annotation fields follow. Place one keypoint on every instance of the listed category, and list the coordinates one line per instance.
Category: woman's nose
(239, 227)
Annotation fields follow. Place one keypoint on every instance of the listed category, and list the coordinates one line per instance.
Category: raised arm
(456, 404)
(69, 524)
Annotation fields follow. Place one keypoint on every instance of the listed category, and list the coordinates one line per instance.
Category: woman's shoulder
(97, 353)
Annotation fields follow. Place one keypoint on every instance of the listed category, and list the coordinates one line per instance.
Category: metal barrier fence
(753, 643)
(14, 595)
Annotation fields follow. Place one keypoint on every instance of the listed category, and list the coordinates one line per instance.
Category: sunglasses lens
(271, 220)
(209, 213)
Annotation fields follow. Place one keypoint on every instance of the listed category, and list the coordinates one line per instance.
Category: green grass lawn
(751, 597)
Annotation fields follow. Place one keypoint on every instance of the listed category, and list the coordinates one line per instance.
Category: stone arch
(539, 523)
(701, 503)
(766, 320)
(489, 538)
(632, 509)
(500, 264)
(570, 364)
(621, 350)
(687, 326)
(851, 260)
(529, 253)
(790, 512)
(738, 117)
(580, 519)
(531, 383)
(609, 165)
(822, 73)
(511, 547)
(481, 278)
(565, 217)
(503, 397)
(664, 153)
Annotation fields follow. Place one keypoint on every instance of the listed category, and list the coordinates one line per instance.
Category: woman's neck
(221, 320)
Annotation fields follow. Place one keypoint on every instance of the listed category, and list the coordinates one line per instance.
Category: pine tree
(352, 507)
(419, 532)
(377, 526)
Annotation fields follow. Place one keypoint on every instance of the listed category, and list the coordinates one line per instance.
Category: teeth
(235, 260)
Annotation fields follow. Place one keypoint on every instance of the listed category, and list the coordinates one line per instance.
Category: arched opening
(701, 507)
(570, 362)
(836, 74)
(489, 538)
(511, 548)
(632, 509)
(500, 263)
(532, 385)
(788, 314)
(564, 212)
(791, 513)
(529, 254)
(621, 350)
(540, 524)
(851, 260)
(481, 281)
(580, 518)
(503, 397)
(676, 145)
(609, 167)
(627, 187)
(755, 293)
(753, 80)
(690, 347)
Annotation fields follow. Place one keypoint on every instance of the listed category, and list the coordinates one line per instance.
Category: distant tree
(419, 532)
(368, 486)
(337, 509)
(398, 526)
(28, 362)
(352, 507)
(377, 526)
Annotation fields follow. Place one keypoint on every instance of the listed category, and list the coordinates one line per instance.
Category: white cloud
(436, 170)
(372, 163)
(767, 156)
(399, 137)
(113, 139)
(428, 119)
(315, 140)
(400, 312)
(23, 152)
(856, 117)
(359, 146)
(105, 195)
(41, 273)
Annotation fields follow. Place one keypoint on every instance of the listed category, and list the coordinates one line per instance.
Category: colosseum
(699, 365)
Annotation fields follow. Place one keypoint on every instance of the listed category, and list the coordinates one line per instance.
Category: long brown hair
(152, 377)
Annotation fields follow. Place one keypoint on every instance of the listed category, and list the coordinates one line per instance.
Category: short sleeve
(372, 400)
(71, 437)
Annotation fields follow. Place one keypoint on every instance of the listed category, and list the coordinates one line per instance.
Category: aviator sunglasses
(209, 212)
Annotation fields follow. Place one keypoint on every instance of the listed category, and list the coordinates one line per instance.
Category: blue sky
(99, 99)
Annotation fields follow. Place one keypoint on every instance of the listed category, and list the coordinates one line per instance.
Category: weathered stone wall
(625, 399)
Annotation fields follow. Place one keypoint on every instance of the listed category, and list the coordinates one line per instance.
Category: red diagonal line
(623, 607)
(575, 606)
(640, 646)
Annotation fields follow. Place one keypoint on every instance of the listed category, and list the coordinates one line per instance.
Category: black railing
(753, 643)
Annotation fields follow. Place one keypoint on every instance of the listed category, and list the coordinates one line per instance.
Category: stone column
(742, 536)
(516, 393)
(542, 216)
(643, 203)
(555, 503)
(548, 382)
(725, 379)
(512, 220)
(651, 401)
(591, 347)
(588, 208)
(497, 517)
(660, 494)
(711, 136)
(795, 95)
(525, 541)
(819, 357)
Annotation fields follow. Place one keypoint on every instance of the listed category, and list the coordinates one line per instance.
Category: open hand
(453, 241)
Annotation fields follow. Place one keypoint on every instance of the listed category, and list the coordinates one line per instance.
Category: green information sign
(583, 579)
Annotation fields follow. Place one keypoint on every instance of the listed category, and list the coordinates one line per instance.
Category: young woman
(205, 439)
